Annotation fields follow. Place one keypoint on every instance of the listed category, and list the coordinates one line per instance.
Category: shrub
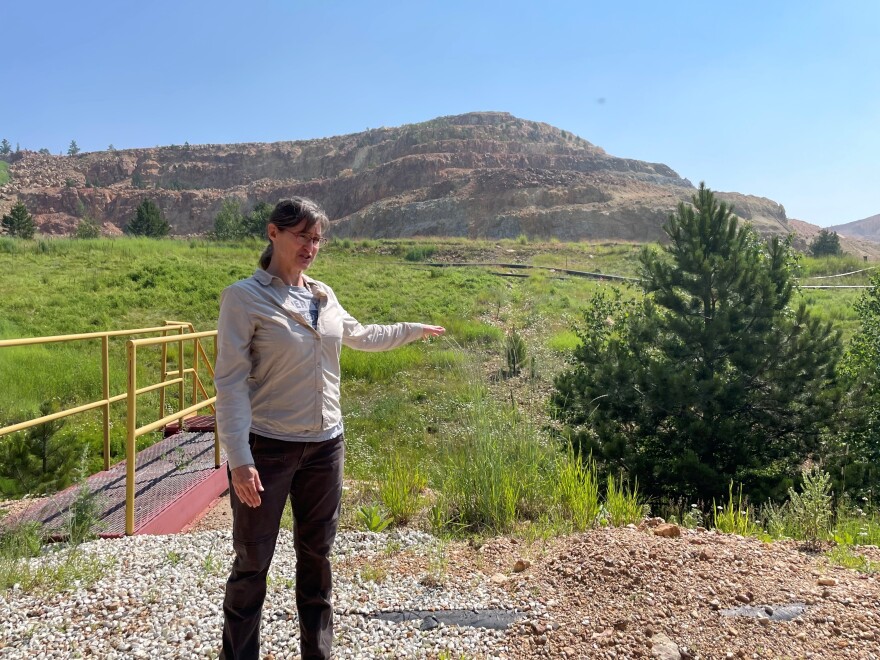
(420, 253)
(87, 228)
(715, 376)
(826, 244)
(84, 516)
(148, 221)
(811, 510)
(229, 222)
(19, 223)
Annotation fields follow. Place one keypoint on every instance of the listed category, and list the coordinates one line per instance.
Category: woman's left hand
(432, 331)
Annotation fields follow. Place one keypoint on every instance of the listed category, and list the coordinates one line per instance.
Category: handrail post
(196, 379)
(181, 387)
(131, 439)
(216, 426)
(164, 376)
(105, 376)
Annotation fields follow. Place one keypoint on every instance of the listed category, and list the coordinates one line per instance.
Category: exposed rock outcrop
(480, 175)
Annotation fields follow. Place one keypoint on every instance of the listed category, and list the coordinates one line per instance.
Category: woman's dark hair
(291, 212)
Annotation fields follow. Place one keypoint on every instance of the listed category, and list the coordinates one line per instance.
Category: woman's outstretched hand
(429, 331)
(247, 485)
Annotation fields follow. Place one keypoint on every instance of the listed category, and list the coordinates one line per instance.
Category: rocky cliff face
(479, 175)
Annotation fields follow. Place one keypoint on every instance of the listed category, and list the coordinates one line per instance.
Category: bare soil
(630, 593)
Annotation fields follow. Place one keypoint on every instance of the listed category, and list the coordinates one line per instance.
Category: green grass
(735, 516)
(844, 555)
(401, 488)
(622, 502)
(824, 266)
(4, 172)
(564, 342)
(434, 405)
(62, 567)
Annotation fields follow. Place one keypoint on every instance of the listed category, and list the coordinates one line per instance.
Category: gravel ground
(608, 593)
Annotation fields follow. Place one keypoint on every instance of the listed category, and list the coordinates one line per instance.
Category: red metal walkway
(175, 481)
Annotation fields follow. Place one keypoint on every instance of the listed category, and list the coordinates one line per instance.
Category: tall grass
(63, 566)
(491, 477)
(420, 253)
(401, 489)
(622, 502)
(735, 516)
(576, 491)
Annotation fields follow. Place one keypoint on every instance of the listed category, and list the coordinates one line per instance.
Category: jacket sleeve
(235, 330)
(375, 337)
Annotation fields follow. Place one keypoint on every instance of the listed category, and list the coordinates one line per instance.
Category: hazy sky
(773, 98)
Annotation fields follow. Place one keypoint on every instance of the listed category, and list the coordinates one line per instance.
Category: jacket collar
(265, 279)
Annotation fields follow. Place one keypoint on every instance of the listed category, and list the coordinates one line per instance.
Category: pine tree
(712, 377)
(40, 459)
(5, 147)
(73, 149)
(826, 244)
(148, 221)
(18, 222)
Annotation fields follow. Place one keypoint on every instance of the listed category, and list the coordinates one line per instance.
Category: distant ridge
(479, 175)
(866, 228)
(858, 247)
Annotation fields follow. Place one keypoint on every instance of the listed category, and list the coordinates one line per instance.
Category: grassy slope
(4, 172)
(68, 286)
(399, 402)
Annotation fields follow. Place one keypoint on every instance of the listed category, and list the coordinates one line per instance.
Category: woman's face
(295, 246)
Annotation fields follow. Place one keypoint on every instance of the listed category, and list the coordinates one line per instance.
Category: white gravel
(161, 597)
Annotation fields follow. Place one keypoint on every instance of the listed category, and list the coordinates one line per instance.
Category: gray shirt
(276, 373)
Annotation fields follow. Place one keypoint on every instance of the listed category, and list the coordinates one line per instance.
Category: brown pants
(310, 474)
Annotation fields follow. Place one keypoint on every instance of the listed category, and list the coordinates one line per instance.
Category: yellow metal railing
(106, 400)
(134, 431)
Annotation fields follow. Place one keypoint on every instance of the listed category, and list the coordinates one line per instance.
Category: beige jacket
(277, 376)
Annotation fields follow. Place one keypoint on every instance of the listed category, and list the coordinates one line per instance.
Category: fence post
(131, 439)
(181, 387)
(216, 426)
(195, 396)
(164, 376)
(105, 377)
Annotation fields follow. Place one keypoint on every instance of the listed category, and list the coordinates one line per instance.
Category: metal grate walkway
(175, 481)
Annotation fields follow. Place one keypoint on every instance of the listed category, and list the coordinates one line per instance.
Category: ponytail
(266, 257)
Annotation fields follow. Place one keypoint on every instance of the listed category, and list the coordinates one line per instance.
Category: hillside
(857, 246)
(477, 175)
(866, 228)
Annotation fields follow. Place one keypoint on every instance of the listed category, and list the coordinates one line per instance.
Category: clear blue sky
(773, 98)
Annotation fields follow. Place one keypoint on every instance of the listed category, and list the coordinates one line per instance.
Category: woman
(278, 415)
